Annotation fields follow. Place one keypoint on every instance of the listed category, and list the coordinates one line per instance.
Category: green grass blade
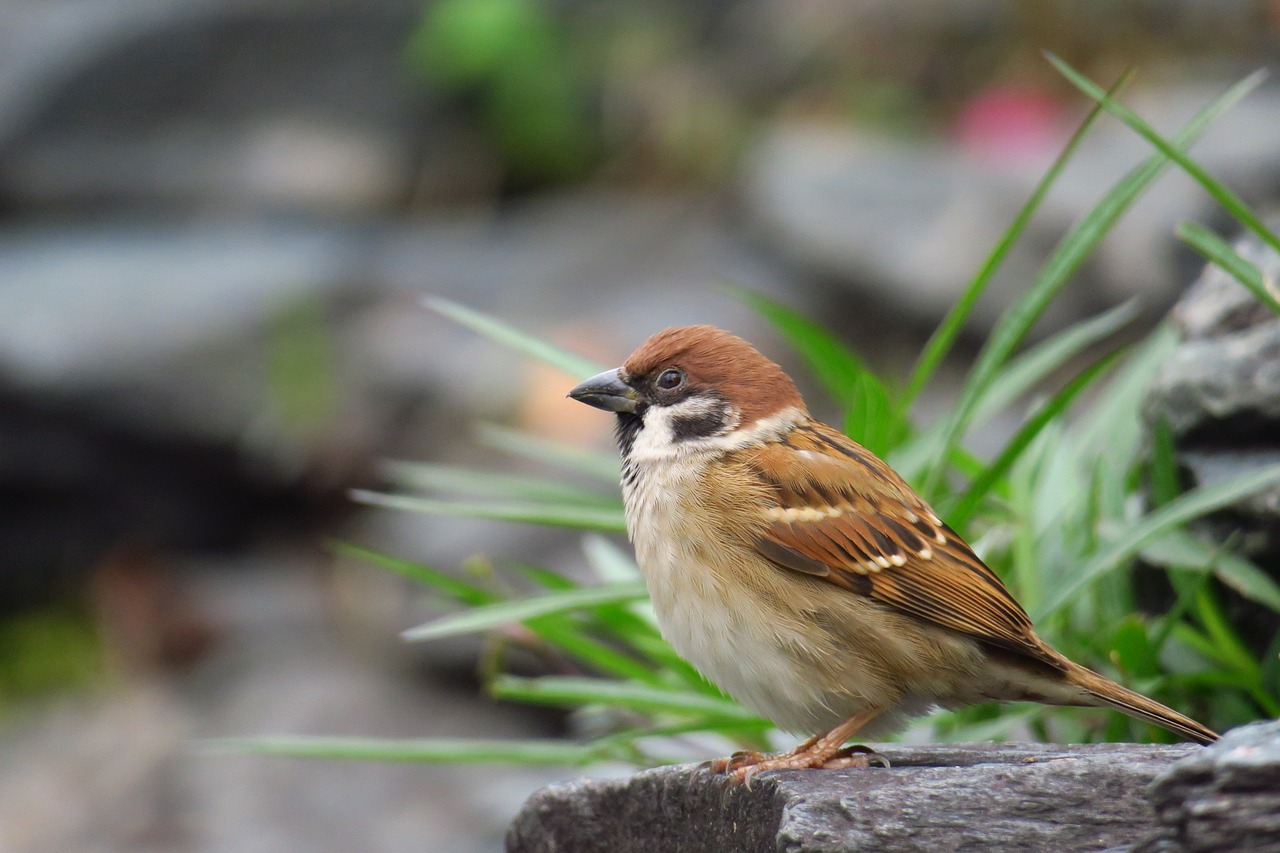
(602, 466)
(873, 419)
(660, 652)
(833, 363)
(1111, 430)
(423, 750)
(1247, 579)
(464, 593)
(610, 563)
(1162, 471)
(606, 519)
(1174, 616)
(1044, 415)
(1180, 549)
(496, 330)
(573, 692)
(944, 337)
(545, 578)
(755, 729)
(1187, 507)
(603, 658)
(426, 476)
(1231, 649)
(496, 615)
(1071, 251)
(1028, 369)
(1173, 150)
(1017, 378)
(1132, 650)
(632, 623)
(1217, 251)
(871, 416)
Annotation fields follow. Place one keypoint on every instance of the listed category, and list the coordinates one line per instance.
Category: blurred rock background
(217, 219)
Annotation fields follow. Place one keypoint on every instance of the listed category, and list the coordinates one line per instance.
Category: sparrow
(801, 575)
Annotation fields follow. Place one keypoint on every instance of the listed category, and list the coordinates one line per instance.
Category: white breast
(709, 620)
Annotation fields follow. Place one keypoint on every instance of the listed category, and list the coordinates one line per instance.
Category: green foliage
(44, 651)
(867, 403)
(513, 58)
(1216, 251)
(557, 92)
(301, 382)
(1063, 513)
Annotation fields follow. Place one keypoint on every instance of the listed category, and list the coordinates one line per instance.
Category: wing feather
(874, 536)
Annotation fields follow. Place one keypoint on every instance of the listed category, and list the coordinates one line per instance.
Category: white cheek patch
(661, 436)
(657, 441)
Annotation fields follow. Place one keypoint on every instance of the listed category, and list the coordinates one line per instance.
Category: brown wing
(839, 513)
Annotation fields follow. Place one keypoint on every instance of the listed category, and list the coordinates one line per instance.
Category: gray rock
(1223, 798)
(1219, 391)
(905, 222)
(171, 326)
(964, 797)
(83, 306)
(1228, 365)
(225, 104)
(909, 222)
(170, 330)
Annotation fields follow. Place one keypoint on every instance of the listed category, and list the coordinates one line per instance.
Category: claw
(743, 775)
(856, 756)
(740, 759)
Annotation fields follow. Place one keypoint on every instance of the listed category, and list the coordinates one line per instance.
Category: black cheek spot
(698, 426)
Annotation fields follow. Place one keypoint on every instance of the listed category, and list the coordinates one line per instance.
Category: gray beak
(606, 391)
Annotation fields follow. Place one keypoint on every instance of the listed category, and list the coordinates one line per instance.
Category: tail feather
(1108, 693)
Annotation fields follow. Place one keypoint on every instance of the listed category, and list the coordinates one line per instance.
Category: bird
(803, 576)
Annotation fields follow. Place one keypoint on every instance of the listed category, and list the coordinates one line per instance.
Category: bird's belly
(750, 662)
(772, 666)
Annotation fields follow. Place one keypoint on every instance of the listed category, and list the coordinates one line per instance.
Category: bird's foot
(743, 758)
(742, 767)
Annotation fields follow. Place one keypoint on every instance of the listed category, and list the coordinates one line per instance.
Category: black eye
(670, 379)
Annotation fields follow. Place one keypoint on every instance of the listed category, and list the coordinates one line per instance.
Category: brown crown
(713, 358)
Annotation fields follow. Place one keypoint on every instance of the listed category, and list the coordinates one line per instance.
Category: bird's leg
(819, 751)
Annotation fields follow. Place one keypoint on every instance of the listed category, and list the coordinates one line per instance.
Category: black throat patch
(625, 431)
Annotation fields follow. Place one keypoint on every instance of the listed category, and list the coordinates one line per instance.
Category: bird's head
(689, 383)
